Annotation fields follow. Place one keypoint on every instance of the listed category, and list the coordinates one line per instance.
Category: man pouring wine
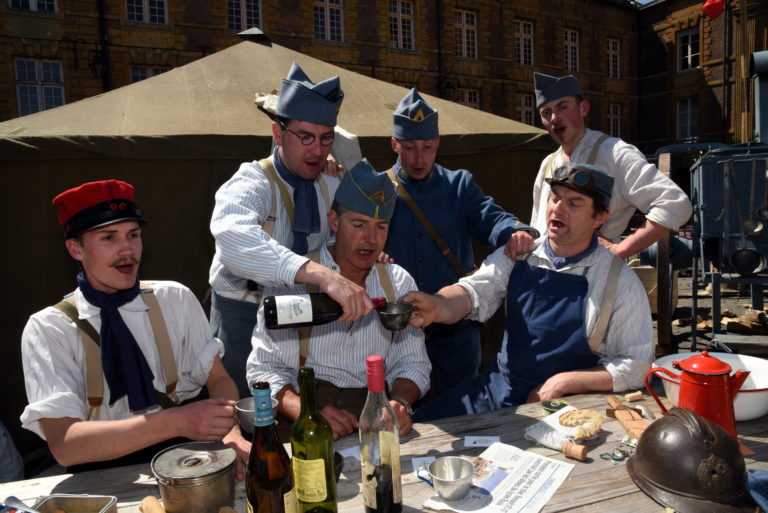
(360, 214)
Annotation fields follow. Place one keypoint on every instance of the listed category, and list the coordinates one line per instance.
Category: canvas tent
(177, 137)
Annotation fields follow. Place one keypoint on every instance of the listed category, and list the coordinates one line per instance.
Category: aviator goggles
(307, 139)
(577, 177)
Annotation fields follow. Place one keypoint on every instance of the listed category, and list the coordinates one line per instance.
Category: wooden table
(593, 485)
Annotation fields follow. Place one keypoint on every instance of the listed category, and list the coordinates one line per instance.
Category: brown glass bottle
(269, 481)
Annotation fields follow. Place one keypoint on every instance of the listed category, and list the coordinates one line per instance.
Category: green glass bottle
(312, 447)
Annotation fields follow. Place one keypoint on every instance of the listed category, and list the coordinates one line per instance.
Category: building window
(466, 34)
(468, 97)
(329, 22)
(139, 73)
(525, 110)
(524, 43)
(571, 50)
(614, 52)
(146, 11)
(243, 14)
(34, 5)
(688, 49)
(39, 85)
(687, 118)
(401, 24)
(614, 119)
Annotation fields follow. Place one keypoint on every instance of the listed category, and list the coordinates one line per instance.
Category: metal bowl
(245, 413)
(396, 315)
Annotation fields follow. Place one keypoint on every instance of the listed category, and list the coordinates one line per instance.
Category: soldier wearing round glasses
(272, 213)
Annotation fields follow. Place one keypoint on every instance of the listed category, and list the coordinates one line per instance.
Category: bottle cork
(634, 396)
(575, 451)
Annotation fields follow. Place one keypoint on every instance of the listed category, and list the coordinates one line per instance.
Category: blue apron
(545, 335)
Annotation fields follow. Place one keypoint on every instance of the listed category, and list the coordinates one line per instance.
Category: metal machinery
(730, 213)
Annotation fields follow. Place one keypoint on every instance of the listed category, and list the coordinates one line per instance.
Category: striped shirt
(243, 250)
(627, 349)
(337, 350)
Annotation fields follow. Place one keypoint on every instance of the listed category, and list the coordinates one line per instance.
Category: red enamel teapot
(706, 387)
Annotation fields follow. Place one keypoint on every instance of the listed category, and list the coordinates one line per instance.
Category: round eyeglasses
(307, 139)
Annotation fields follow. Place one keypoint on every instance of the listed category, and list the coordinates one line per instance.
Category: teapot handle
(652, 372)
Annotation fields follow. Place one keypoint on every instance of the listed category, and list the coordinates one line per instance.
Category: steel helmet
(692, 465)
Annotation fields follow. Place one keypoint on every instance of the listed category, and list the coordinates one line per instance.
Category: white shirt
(337, 350)
(627, 350)
(637, 185)
(243, 249)
(54, 357)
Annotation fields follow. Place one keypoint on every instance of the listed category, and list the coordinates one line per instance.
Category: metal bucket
(195, 477)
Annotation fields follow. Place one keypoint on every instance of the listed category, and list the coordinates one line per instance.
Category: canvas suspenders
(590, 159)
(305, 331)
(436, 238)
(606, 305)
(94, 374)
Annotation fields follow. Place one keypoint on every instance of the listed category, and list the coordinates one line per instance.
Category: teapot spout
(738, 379)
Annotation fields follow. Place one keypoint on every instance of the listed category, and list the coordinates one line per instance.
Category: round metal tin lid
(703, 364)
(193, 462)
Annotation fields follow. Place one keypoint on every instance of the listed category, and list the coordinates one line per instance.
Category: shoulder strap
(271, 174)
(596, 148)
(94, 382)
(162, 340)
(606, 305)
(306, 331)
(438, 240)
(550, 163)
(385, 281)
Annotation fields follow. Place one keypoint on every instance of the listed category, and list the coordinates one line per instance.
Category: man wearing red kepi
(108, 368)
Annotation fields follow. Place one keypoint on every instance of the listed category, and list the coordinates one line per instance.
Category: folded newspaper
(508, 480)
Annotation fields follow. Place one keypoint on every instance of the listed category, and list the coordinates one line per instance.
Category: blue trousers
(454, 352)
(233, 322)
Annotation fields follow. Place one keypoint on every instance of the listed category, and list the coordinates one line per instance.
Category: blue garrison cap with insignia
(366, 191)
(303, 100)
(414, 119)
(550, 88)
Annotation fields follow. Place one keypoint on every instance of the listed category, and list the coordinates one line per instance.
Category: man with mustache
(108, 368)
(272, 213)
(637, 183)
(362, 208)
(577, 317)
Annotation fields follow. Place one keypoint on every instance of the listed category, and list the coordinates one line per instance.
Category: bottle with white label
(296, 310)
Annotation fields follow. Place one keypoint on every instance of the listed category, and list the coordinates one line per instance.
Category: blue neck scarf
(306, 218)
(560, 262)
(125, 368)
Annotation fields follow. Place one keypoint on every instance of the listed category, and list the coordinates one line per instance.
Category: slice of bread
(587, 422)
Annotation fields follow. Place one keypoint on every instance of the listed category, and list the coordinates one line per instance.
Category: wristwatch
(404, 402)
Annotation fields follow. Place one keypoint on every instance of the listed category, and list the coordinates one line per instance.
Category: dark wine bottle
(296, 310)
(269, 481)
(312, 446)
(379, 446)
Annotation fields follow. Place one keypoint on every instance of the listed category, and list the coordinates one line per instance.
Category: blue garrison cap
(586, 179)
(366, 191)
(550, 88)
(303, 100)
(414, 119)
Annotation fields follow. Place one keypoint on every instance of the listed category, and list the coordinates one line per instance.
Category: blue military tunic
(459, 211)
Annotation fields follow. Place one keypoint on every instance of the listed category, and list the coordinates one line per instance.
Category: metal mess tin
(196, 477)
(77, 503)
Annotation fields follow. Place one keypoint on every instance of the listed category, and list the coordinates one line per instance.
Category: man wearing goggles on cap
(638, 185)
(568, 331)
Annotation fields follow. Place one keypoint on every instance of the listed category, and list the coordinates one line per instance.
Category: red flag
(713, 8)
